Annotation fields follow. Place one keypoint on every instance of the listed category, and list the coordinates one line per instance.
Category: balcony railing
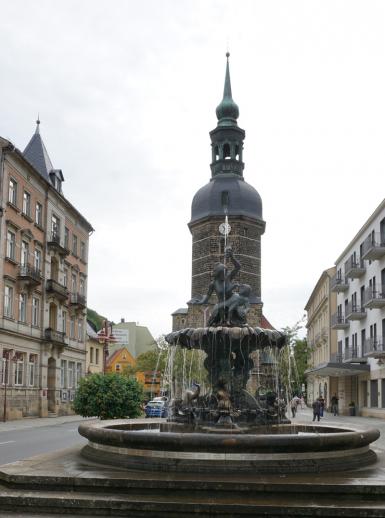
(339, 283)
(54, 242)
(29, 274)
(336, 358)
(339, 321)
(54, 336)
(355, 311)
(57, 289)
(373, 247)
(77, 299)
(375, 297)
(374, 347)
(354, 269)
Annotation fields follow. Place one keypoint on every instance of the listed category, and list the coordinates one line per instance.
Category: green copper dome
(227, 111)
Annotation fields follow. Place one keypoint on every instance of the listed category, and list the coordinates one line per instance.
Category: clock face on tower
(225, 229)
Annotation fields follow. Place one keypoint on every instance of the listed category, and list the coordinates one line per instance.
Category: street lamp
(105, 337)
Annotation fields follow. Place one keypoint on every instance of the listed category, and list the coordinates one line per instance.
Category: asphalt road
(20, 444)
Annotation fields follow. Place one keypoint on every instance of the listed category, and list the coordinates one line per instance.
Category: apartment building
(356, 368)
(322, 340)
(43, 284)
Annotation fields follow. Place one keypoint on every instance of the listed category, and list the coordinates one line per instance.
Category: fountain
(228, 429)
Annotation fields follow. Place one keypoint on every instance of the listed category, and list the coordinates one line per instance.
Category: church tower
(226, 194)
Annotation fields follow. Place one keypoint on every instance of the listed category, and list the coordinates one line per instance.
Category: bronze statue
(232, 306)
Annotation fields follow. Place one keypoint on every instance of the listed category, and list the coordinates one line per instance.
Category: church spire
(227, 111)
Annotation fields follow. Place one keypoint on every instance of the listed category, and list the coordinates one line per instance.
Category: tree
(296, 357)
(301, 355)
(108, 396)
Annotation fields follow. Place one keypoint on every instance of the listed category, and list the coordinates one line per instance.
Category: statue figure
(191, 395)
(232, 306)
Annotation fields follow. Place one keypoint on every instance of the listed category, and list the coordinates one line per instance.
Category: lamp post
(105, 337)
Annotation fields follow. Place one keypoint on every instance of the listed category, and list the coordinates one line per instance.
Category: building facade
(136, 338)
(359, 321)
(43, 279)
(227, 211)
(94, 351)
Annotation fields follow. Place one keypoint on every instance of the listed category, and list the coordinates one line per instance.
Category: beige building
(94, 358)
(43, 284)
(136, 338)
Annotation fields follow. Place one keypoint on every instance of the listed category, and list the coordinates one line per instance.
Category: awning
(338, 369)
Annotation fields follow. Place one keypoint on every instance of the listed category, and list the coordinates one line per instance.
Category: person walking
(316, 409)
(322, 403)
(334, 402)
(293, 406)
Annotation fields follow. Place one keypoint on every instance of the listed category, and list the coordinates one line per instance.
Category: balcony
(339, 322)
(355, 311)
(374, 347)
(336, 358)
(373, 247)
(354, 269)
(29, 275)
(353, 355)
(54, 336)
(54, 243)
(77, 301)
(375, 298)
(57, 290)
(339, 284)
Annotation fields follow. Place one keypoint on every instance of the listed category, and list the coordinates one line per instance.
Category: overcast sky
(127, 91)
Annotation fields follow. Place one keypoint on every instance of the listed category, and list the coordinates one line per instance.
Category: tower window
(236, 152)
(226, 152)
(216, 152)
(225, 199)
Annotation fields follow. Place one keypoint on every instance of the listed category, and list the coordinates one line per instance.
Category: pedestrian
(293, 406)
(334, 402)
(302, 402)
(316, 409)
(322, 403)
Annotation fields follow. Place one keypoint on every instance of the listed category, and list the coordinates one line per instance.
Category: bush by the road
(108, 396)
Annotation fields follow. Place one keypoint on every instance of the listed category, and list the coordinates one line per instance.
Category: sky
(126, 93)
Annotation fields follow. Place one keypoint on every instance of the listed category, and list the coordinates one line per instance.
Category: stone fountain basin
(155, 446)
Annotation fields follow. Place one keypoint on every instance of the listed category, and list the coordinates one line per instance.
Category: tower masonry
(227, 211)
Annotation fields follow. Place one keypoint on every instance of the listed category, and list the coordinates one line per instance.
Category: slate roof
(36, 153)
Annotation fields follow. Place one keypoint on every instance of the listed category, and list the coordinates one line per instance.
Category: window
(91, 355)
(24, 253)
(66, 238)
(64, 322)
(117, 367)
(80, 330)
(4, 370)
(72, 327)
(78, 373)
(73, 283)
(12, 193)
(65, 278)
(19, 370)
(22, 307)
(8, 301)
(32, 369)
(55, 227)
(63, 374)
(82, 250)
(82, 286)
(74, 245)
(35, 311)
(97, 356)
(11, 245)
(71, 374)
(37, 259)
(39, 214)
(26, 203)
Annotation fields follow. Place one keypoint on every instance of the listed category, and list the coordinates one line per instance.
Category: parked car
(156, 409)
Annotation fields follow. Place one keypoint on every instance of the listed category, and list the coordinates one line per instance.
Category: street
(17, 444)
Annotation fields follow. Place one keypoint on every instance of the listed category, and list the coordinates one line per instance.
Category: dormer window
(56, 177)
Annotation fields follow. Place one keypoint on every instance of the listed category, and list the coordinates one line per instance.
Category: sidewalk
(306, 416)
(38, 422)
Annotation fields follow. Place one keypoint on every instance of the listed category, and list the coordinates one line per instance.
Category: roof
(365, 227)
(241, 198)
(265, 324)
(37, 155)
(91, 332)
(180, 311)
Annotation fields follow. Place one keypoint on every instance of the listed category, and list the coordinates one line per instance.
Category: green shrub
(108, 396)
